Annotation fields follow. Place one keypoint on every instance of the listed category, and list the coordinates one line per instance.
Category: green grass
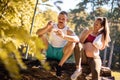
(116, 74)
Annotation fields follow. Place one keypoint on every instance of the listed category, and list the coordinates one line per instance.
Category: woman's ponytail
(106, 31)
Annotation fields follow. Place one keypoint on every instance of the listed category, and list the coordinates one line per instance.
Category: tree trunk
(104, 57)
(111, 52)
(32, 25)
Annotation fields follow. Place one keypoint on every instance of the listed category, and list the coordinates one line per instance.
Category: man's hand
(60, 33)
(50, 24)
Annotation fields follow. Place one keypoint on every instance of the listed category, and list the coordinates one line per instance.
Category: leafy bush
(15, 21)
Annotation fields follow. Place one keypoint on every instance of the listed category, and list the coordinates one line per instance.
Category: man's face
(62, 19)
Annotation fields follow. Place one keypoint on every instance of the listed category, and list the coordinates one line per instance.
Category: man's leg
(67, 52)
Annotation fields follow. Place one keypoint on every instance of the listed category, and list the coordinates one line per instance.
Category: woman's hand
(85, 34)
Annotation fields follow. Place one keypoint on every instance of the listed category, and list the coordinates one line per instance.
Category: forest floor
(36, 72)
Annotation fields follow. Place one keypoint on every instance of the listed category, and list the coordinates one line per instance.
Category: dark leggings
(95, 66)
(94, 63)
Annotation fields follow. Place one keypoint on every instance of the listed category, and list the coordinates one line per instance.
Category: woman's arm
(84, 35)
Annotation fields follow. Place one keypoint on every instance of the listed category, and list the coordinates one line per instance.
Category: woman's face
(97, 25)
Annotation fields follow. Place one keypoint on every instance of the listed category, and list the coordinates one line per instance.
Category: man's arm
(70, 36)
(46, 29)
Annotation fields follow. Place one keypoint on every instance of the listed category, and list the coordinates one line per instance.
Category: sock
(58, 70)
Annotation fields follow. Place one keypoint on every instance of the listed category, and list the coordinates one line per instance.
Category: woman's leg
(77, 49)
(95, 66)
(78, 59)
(93, 60)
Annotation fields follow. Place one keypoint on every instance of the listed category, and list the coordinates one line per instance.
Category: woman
(91, 41)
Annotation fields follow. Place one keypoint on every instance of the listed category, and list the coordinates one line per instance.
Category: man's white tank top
(55, 40)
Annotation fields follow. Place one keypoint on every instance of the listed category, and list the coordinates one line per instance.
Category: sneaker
(58, 70)
(75, 74)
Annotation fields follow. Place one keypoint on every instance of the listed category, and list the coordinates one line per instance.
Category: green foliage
(15, 23)
(100, 11)
(41, 19)
(8, 61)
(11, 39)
(80, 19)
(9, 54)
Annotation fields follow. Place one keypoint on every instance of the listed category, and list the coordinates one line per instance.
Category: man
(61, 40)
